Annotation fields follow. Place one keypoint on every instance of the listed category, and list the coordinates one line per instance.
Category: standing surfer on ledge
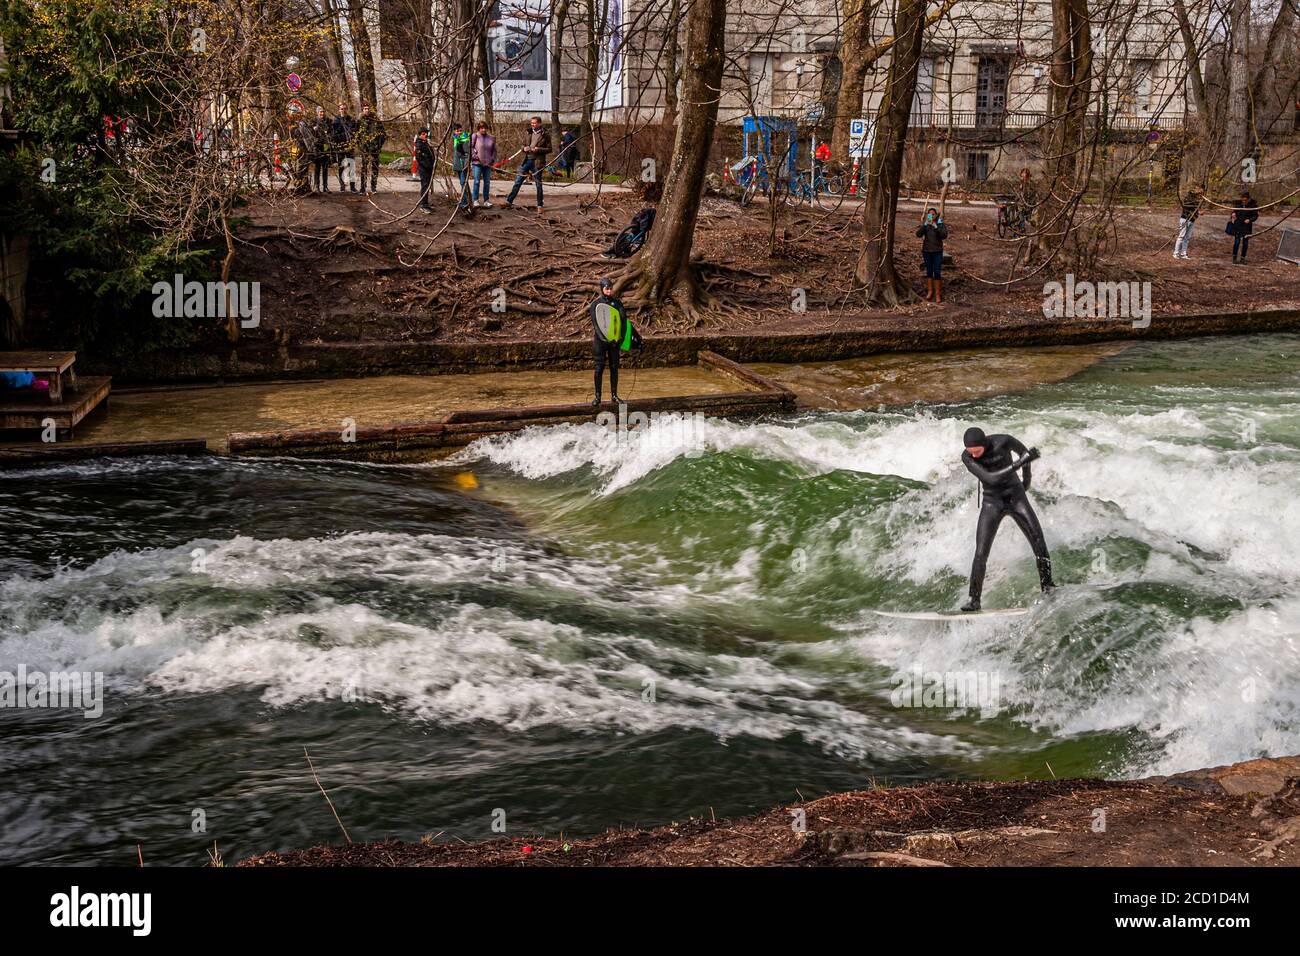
(614, 333)
(988, 458)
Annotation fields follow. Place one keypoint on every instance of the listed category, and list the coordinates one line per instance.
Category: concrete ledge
(24, 455)
(887, 334)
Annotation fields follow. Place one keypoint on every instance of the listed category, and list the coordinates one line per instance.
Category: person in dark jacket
(320, 158)
(989, 459)
(568, 152)
(612, 331)
(303, 147)
(343, 135)
(1242, 224)
(1186, 219)
(370, 140)
(424, 166)
(536, 148)
(932, 233)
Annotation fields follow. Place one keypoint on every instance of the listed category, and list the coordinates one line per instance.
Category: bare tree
(661, 275)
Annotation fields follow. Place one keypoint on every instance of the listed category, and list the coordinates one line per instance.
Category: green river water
(622, 629)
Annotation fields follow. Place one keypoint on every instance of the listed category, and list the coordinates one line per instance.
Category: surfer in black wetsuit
(990, 459)
(612, 333)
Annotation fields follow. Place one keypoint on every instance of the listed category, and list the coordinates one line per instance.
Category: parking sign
(862, 134)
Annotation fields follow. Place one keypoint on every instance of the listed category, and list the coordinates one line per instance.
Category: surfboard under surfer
(990, 459)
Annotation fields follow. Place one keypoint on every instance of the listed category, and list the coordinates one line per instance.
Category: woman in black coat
(1241, 225)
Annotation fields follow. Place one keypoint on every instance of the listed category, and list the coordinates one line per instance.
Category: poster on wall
(519, 56)
(609, 79)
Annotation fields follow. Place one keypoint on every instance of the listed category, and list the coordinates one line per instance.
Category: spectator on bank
(1241, 224)
(304, 146)
(344, 138)
(932, 233)
(370, 141)
(483, 155)
(568, 153)
(424, 166)
(536, 148)
(321, 134)
(1191, 211)
(460, 160)
(1026, 200)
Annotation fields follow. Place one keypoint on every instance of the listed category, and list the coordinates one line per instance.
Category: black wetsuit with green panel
(609, 325)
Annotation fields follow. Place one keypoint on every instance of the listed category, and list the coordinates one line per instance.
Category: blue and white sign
(862, 135)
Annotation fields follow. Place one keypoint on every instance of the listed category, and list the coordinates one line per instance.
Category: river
(572, 628)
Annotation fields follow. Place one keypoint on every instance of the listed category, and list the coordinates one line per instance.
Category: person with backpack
(612, 333)
(424, 166)
(568, 153)
(1241, 224)
(535, 150)
(932, 233)
(370, 140)
(483, 155)
(633, 237)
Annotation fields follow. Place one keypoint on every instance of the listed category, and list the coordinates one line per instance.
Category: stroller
(631, 239)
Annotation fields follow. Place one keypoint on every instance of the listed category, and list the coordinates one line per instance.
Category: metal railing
(1031, 119)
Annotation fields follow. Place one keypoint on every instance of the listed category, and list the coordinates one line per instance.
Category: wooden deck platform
(30, 410)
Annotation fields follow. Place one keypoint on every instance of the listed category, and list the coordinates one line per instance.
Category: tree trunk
(855, 38)
(857, 55)
(1067, 121)
(597, 18)
(336, 44)
(662, 272)
(875, 271)
(1237, 141)
(559, 16)
(1264, 89)
(672, 71)
(367, 89)
(1199, 147)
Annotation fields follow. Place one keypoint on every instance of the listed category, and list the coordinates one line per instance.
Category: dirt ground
(351, 267)
(1243, 815)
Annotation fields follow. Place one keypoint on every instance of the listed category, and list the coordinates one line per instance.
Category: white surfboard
(959, 616)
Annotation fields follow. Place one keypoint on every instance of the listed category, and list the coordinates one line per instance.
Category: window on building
(991, 90)
(977, 166)
(923, 98)
(760, 82)
(1139, 88)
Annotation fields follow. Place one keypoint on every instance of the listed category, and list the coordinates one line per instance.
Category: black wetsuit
(605, 352)
(1004, 494)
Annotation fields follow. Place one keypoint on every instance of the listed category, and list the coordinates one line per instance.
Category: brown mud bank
(1245, 814)
(823, 339)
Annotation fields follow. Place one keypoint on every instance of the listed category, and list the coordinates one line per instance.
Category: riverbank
(1244, 814)
(357, 285)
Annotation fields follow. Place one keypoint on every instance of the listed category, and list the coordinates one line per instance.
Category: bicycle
(826, 189)
(1011, 218)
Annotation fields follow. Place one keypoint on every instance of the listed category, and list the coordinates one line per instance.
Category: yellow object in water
(466, 480)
